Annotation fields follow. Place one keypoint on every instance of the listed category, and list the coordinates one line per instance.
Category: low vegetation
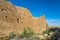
(46, 32)
(27, 34)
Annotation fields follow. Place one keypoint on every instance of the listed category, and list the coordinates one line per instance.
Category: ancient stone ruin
(14, 18)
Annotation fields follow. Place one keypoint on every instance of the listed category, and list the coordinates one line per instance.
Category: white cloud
(53, 22)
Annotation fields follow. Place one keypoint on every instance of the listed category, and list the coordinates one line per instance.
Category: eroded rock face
(14, 18)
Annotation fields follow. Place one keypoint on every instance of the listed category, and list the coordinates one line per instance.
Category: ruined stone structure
(14, 18)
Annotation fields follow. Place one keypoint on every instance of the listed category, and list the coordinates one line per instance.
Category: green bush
(27, 32)
(46, 32)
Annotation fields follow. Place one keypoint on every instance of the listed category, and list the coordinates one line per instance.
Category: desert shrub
(46, 32)
(27, 32)
(11, 35)
(18, 36)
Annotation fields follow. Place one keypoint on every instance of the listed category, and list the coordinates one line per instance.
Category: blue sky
(50, 8)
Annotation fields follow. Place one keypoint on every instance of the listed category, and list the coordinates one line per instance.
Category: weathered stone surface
(14, 18)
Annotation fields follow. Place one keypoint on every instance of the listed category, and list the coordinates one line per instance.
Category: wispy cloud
(53, 22)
